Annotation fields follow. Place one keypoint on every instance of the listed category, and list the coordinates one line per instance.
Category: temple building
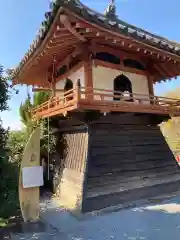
(101, 72)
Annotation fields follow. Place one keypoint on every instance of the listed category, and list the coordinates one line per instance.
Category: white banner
(32, 177)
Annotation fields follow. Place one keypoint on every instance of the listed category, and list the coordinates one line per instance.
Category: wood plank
(127, 158)
(120, 179)
(132, 197)
(111, 178)
(116, 187)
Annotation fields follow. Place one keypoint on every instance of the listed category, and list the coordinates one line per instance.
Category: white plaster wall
(103, 78)
(79, 74)
(60, 84)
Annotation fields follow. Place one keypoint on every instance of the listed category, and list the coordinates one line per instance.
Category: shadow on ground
(22, 231)
(156, 221)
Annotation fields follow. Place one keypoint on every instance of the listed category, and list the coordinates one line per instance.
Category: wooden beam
(167, 74)
(155, 71)
(119, 67)
(79, 49)
(120, 53)
(41, 90)
(58, 33)
(62, 40)
(66, 22)
(166, 70)
(161, 72)
(65, 51)
(61, 45)
(175, 68)
(139, 44)
(61, 36)
(82, 25)
(47, 90)
(69, 72)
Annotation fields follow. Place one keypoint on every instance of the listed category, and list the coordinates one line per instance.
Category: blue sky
(21, 19)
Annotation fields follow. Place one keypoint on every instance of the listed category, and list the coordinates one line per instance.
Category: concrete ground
(156, 221)
(150, 222)
(26, 231)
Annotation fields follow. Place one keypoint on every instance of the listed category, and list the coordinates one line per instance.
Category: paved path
(38, 231)
(160, 222)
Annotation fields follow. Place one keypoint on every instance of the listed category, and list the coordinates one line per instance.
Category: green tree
(8, 171)
(3, 106)
(3, 91)
(26, 118)
(26, 109)
(40, 97)
(15, 144)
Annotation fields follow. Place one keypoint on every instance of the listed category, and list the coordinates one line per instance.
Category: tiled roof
(90, 15)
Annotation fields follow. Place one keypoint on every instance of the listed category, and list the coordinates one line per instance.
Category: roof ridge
(126, 23)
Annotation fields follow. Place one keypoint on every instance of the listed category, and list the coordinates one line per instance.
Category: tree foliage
(26, 108)
(25, 111)
(8, 171)
(40, 97)
(3, 106)
(26, 118)
(3, 91)
(12, 145)
(16, 143)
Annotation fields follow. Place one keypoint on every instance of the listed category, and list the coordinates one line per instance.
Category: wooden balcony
(80, 99)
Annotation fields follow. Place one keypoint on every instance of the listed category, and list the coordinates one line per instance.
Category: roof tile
(116, 24)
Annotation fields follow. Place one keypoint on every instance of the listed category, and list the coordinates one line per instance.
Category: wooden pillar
(52, 80)
(150, 86)
(88, 77)
(53, 89)
(54, 77)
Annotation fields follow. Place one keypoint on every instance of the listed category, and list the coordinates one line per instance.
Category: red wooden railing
(94, 98)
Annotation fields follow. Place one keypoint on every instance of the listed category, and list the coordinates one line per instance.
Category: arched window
(122, 87)
(68, 86)
(131, 63)
(107, 57)
(62, 71)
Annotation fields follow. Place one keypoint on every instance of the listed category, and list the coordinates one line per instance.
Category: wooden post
(150, 87)
(78, 91)
(53, 89)
(88, 79)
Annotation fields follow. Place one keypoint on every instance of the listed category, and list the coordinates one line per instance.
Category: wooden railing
(56, 104)
(134, 97)
(88, 98)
